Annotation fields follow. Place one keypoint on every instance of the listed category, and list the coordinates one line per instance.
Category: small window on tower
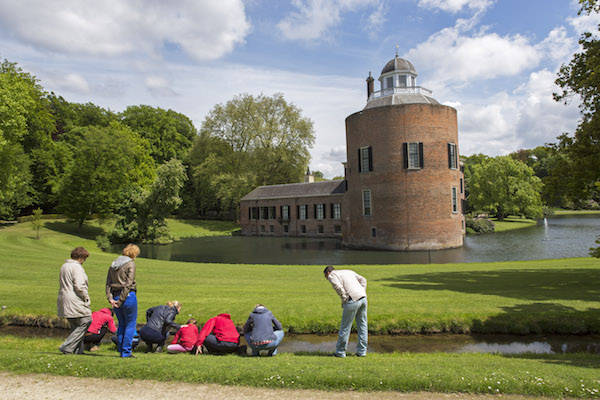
(389, 82)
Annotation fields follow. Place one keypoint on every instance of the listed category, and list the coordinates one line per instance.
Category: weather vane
(397, 47)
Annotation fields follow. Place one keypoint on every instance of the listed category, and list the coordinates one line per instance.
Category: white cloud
(72, 83)
(585, 23)
(558, 46)
(314, 18)
(526, 118)
(454, 6)
(449, 55)
(205, 30)
(159, 86)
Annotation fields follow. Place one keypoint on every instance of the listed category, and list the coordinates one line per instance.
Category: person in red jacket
(102, 322)
(219, 336)
(185, 339)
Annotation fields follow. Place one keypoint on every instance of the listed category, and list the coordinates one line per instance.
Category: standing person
(219, 336)
(73, 301)
(121, 294)
(185, 339)
(102, 322)
(263, 331)
(158, 321)
(352, 289)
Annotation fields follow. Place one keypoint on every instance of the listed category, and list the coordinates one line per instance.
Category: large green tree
(581, 77)
(25, 125)
(107, 162)
(247, 142)
(169, 133)
(142, 216)
(503, 186)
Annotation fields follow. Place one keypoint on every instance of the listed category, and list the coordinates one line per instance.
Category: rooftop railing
(400, 90)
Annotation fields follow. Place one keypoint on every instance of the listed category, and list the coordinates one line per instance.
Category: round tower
(404, 183)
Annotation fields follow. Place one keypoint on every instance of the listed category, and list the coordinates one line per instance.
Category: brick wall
(412, 209)
(275, 226)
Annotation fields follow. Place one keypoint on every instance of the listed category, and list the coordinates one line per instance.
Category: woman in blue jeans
(263, 331)
(121, 294)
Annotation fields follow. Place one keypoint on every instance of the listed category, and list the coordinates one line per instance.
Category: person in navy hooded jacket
(263, 331)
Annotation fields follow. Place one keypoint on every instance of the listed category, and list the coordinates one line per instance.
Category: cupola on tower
(404, 183)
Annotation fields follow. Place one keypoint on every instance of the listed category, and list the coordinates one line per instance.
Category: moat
(557, 237)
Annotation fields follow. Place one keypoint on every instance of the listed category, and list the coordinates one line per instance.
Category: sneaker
(338, 355)
(94, 348)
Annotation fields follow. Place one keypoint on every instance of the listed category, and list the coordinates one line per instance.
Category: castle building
(403, 183)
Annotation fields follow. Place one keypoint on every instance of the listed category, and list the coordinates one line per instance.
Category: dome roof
(399, 64)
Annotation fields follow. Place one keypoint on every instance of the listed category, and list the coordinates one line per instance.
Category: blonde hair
(174, 303)
(131, 251)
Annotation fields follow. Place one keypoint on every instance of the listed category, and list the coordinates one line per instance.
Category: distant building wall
(273, 223)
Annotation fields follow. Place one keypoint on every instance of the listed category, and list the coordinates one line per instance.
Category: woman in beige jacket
(73, 301)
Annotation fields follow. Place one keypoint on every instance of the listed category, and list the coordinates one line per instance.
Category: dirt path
(49, 387)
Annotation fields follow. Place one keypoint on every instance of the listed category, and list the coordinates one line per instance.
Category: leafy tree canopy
(503, 186)
(169, 133)
(107, 161)
(247, 142)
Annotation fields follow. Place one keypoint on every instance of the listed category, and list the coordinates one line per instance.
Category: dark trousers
(215, 346)
(151, 336)
(94, 339)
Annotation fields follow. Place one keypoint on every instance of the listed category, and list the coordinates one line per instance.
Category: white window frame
(453, 156)
(285, 213)
(409, 147)
(337, 211)
(320, 211)
(454, 197)
(367, 211)
(302, 212)
(364, 159)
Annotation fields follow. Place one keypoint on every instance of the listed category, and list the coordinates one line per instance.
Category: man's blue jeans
(127, 316)
(272, 347)
(353, 310)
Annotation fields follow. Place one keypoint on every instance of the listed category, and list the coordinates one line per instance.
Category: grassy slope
(516, 297)
(576, 212)
(511, 223)
(550, 375)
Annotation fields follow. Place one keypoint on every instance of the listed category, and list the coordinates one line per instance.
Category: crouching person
(102, 322)
(185, 339)
(219, 336)
(159, 320)
(263, 331)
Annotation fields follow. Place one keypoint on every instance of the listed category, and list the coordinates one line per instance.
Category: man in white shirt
(352, 289)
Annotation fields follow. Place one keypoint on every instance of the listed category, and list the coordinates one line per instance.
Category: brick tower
(404, 182)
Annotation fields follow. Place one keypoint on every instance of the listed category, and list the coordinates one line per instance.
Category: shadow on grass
(541, 318)
(576, 360)
(71, 228)
(537, 285)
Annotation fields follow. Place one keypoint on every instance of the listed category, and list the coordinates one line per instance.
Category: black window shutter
(281, 212)
(324, 211)
(405, 154)
(297, 212)
(249, 212)
(370, 158)
(421, 154)
(331, 210)
(314, 211)
(359, 162)
(449, 155)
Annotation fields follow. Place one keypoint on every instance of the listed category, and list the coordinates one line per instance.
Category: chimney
(370, 85)
(308, 178)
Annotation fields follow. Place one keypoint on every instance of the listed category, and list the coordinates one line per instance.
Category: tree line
(141, 164)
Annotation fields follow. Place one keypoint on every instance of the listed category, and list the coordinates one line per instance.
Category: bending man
(352, 289)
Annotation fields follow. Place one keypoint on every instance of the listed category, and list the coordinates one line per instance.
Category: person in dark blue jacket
(159, 320)
(263, 331)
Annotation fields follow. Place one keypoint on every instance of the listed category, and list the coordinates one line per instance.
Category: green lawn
(511, 223)
(559, 296)
(574, 375)
(575, 212)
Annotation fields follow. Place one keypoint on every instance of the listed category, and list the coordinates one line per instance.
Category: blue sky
(493, 60)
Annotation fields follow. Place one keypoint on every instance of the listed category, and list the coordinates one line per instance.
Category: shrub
(102, 242)
(480, 225)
